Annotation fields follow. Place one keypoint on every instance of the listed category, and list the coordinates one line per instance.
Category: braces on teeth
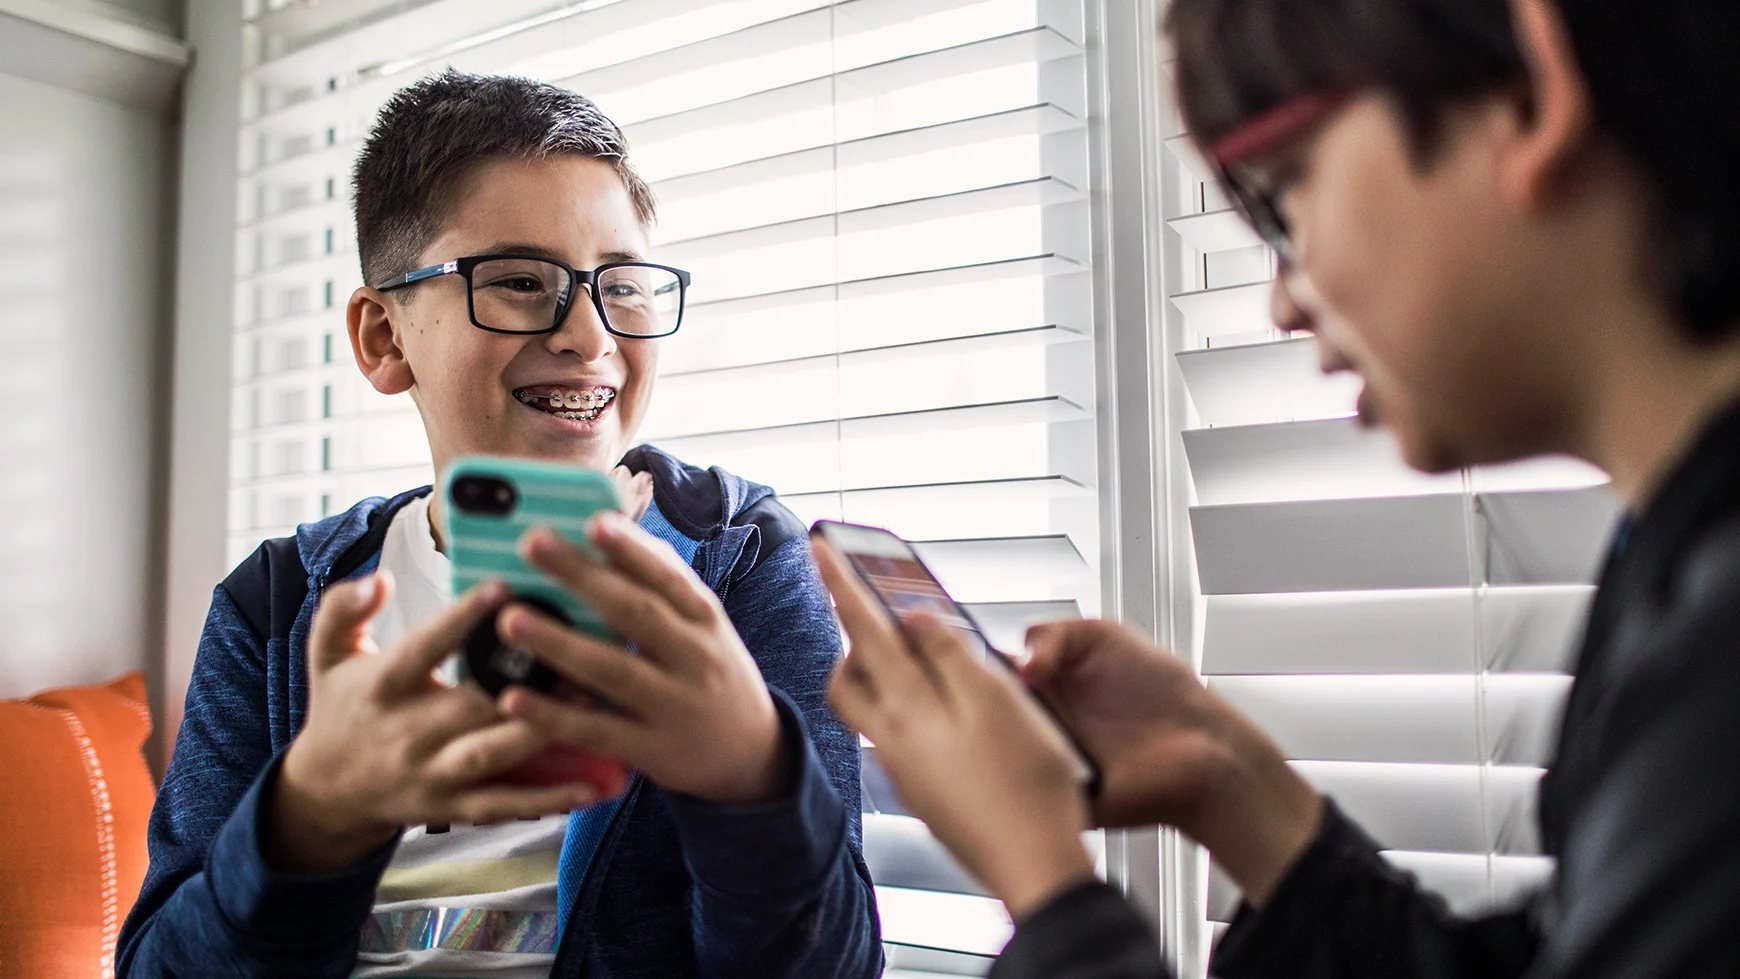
(580, 405)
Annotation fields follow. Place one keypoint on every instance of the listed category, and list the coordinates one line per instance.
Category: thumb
(341, 622)
(1045, 653)
(1057, 648)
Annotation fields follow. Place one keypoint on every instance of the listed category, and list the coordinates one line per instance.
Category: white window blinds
(1405, 638)
(884, 205)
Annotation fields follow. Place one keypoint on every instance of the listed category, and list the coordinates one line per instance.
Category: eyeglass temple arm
(418, 275)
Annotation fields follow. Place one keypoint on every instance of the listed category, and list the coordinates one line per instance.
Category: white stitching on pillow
(105, 837)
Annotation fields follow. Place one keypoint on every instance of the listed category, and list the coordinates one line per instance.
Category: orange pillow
(75, 795)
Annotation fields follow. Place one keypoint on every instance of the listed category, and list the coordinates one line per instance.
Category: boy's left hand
(691, 710)
(969, 751)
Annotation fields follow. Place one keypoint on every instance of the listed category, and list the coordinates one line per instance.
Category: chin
(1432, 456)
(601, 452)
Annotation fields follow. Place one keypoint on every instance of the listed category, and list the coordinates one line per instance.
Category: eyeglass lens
(1264, 214)
(526, 295)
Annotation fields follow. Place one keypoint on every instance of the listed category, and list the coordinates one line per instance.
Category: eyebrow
(544, 251)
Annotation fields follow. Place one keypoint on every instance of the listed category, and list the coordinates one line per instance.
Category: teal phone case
(483, 543)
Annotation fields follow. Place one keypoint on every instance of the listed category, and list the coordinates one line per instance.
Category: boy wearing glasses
(1517, 222)
(331, 809)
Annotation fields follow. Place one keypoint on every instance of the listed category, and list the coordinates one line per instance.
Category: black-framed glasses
(530, 294)
(1259, 201)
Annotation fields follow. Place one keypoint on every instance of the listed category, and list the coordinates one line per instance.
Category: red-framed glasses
(1258, 200)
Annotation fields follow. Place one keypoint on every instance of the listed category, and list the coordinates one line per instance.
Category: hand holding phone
(967, 747)
(905, 586)
(490, 503)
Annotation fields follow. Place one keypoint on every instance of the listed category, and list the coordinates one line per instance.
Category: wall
(84, 218)
(198, 485)
(162, 16)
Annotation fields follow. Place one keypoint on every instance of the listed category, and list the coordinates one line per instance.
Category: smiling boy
(331, 809)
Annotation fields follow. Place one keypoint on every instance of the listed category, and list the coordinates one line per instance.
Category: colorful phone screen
(894, 572)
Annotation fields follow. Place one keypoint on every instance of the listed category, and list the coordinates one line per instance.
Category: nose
(582, 333)
(1295, 316)
(1288, 313)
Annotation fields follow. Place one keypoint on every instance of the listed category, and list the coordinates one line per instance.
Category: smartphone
(905, 585)
(490, 503)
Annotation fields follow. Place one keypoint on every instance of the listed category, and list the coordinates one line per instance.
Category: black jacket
(1641, 807)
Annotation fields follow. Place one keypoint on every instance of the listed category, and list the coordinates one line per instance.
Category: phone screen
(906, 587)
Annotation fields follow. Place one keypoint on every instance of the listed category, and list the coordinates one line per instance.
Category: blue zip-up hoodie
(676, 886)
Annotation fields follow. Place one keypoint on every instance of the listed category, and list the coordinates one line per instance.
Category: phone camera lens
(484, 495)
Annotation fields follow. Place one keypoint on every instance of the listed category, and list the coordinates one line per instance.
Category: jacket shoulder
(1709, 579)
(704, 503)
(269, 586)
(701, 502)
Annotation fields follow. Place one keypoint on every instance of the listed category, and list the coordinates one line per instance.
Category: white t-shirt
(422, 575)
(471, 901)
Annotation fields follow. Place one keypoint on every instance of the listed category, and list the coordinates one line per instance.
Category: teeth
(565, 402)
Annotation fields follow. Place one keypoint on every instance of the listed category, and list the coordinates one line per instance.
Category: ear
(1559, 120)
(375, 343)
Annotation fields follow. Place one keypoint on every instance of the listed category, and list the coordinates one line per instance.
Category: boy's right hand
(386, 746)
(1171, 751)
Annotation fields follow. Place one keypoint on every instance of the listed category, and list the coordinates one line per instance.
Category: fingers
(341, 622)
(635, 490)
(634, 610)
(852, 696)
(1059, 647)
(489, 804)
(632, 684)
(607, 734)
(653, 563)
(445, 714)
(484, 753)
(881, 661)
(416, 656)
(946, 651)
(866, 621)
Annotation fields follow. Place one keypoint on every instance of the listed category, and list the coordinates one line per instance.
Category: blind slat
(1504, 630)
(1446, 808)
(1227, 311)
(1293, 461)
(1009, 569)
(1454, 719)
(817, 459)
(1029, 47)
(1215, 231)
(1030, 120)
(1044, 410)
(980, 509)
(1265, 383)
(1471, 883)
(873, 353)
(1037, 192)
(1050, 264)
(1531, 538)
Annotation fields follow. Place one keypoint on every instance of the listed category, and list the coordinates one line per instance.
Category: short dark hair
(1664, 76)
(433, 134)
